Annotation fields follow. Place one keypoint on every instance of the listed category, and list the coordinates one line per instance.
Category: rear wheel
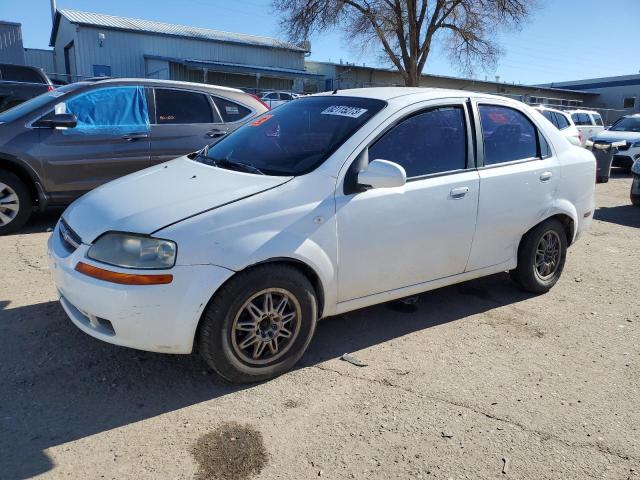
(541, 257)
(602, 179)
(259, 324)
(15, 203)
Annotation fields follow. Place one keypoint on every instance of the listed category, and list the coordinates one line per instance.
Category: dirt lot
(479, 376)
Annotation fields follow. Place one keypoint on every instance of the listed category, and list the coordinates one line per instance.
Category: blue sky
(563, 40)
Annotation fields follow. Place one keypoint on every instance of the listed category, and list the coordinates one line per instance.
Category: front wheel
(541, 257)
(259, 323)
(15, 203)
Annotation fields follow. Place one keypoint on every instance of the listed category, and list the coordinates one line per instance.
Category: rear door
(518, 178)
(110, 140)
(184, 121)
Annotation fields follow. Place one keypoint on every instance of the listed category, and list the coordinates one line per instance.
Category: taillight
(260, 100)
(50, 88)
(580, 136)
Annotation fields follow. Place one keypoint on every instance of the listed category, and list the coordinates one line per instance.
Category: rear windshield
(36, 102)
(297, 137)
(16, 73)
(627, 124)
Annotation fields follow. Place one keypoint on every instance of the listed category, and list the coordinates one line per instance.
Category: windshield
(627, 124)
(295, 138)
(36, 102)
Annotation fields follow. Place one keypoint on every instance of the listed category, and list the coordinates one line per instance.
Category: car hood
(156, 197)
(611, 136)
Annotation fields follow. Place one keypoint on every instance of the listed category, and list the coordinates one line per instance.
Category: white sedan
(327, 204)
(563, 122)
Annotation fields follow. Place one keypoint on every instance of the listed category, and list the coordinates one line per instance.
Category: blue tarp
(116, 110)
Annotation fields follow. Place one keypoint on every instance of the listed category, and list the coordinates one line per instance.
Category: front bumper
(157, 318)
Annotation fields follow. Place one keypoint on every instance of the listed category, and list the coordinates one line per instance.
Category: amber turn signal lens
(122, 278)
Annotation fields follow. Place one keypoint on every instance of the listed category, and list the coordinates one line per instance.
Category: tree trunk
(413, 77)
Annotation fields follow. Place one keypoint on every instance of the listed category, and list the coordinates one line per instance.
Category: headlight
(128, 250)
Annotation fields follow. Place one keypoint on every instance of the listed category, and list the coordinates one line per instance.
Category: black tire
(217, 341)
(635, 200)
(602, 179)
(526, 274)
(25, 203)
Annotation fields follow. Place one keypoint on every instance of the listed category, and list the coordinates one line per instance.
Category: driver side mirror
(382, 174)
(67, 120)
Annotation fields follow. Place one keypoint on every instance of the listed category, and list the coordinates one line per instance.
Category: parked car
(589, 122)
(57, 146)
(635, 183)
(19, 83)
(563, 122)
(324, 205)
(625, 129)
(275, 99)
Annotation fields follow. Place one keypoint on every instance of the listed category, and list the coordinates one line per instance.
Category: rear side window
(597, 119)
(231, 111)
(179, 107)
(550, 116)
(562, 121)
(508, 135)
(430, 142)
(581, 118)
(16, 73)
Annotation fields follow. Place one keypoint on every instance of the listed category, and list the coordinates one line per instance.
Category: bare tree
(408, 29)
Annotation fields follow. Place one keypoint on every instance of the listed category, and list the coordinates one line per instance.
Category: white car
(627, 130)
(589, 122)
(328, 204)
(275, 99)
(563, 122)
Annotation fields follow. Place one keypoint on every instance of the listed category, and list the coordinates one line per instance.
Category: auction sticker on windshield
(344, 111)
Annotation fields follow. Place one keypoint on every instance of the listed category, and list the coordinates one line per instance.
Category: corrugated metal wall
(124, 51)
(11, 48)
(39, 57)
(66, 34)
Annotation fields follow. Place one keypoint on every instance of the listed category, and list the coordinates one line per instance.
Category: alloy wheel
(548, 255)
(9, 204)
(266, 326)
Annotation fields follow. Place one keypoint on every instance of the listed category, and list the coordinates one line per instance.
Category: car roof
(423, 93)
(579, 110)
(151, 82)
(549, 109)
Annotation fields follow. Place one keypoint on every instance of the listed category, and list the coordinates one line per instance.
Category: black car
(59, 145)
(19, 83)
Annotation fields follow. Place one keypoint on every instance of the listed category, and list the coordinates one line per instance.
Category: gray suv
(59, 145)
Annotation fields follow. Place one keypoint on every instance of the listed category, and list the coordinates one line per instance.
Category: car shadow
(61, 385)
(625, 215)
(41, 221)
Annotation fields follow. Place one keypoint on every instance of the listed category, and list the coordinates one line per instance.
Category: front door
(517, 183)
(110, 140)
(397, 237)
(185, 121)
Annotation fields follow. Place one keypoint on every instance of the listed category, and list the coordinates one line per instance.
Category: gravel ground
(480, 381)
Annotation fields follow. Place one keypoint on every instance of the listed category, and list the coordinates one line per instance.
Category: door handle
(545, 176)
(459, 192)
(216, 133)
(132, 137)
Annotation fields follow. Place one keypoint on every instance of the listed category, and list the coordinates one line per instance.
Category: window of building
(508, 135)
(179, 107)
(231, 111)
(434, 141)
(629, 102)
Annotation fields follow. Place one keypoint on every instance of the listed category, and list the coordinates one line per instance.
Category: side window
(562, 121)
(231, 111)
(285, 96)
(550, 116)
(272, 96)
(597, 119)
(430, 142)
(508, 135)
(110, 110)
(179, 106)
(581, 119)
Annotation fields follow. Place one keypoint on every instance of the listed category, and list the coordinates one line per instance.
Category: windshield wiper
(225, 163)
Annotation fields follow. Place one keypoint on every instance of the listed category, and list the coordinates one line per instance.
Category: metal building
(349, 75)
(11, 49)
(93, 44)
